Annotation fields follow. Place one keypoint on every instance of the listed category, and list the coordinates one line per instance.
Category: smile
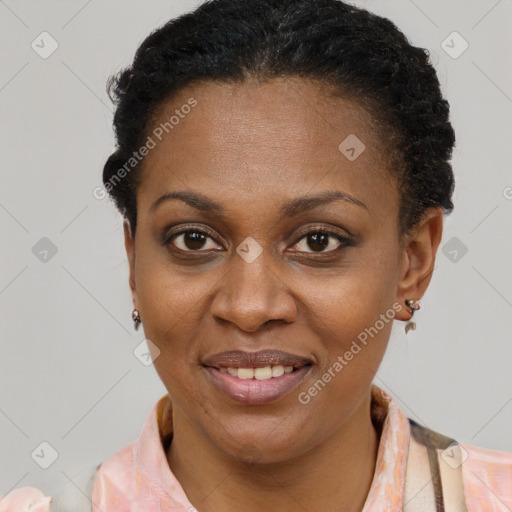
(256, 378)
(265, 373)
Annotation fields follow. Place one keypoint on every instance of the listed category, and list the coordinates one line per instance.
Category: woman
(283, 167)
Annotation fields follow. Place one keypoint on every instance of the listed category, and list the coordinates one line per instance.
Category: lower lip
(254, 391)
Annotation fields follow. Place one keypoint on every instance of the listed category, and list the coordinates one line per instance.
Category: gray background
(69, 374)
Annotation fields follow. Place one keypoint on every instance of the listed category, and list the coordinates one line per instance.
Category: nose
(253, 294)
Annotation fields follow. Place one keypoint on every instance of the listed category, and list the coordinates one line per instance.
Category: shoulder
(121, 463)
(487, 476)
(25, 498)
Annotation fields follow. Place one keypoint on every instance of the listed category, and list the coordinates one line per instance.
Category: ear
(418, 258)
(129, 244)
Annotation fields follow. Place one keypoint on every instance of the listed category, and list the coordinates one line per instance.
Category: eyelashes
(200, 240)
(343, 240)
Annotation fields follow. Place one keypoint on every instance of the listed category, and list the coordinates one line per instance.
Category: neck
(336, 474)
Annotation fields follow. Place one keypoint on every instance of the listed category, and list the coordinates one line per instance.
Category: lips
(260, 359)
(227, 371)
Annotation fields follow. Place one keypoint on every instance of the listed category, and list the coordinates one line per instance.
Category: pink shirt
(138, 478)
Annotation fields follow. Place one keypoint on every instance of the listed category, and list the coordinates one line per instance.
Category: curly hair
(364, 56)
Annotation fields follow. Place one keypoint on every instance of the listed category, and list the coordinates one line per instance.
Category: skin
(251, 147)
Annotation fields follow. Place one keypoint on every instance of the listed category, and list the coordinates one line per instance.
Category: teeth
(277, 371)
(245, 373)
(265, 373)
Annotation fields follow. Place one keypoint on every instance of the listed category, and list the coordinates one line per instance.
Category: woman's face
(254, 274)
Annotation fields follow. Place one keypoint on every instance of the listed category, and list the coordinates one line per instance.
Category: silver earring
(136, 318)
(413, 306)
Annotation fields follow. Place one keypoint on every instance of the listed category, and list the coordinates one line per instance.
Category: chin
(264, 444)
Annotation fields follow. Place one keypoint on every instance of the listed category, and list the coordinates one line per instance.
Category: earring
(409, 326)
(136, 318)
(413, 305)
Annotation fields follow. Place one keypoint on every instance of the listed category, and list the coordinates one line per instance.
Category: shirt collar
(388, 485)
(138, 477)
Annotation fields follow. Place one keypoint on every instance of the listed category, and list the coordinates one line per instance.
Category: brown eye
(317, 241)
(320, 240)
(193, 241)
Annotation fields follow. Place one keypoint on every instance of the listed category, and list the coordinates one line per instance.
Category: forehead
(263, 139)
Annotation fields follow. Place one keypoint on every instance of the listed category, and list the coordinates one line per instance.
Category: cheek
(168, 293)
(354, 328)
(171, 304)
(353, 296)
(353, 312)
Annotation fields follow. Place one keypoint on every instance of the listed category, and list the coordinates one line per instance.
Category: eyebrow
(289, 209)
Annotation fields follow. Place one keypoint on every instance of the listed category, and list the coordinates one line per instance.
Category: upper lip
(260, 359)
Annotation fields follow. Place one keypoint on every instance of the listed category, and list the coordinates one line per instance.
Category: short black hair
(365, 56)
